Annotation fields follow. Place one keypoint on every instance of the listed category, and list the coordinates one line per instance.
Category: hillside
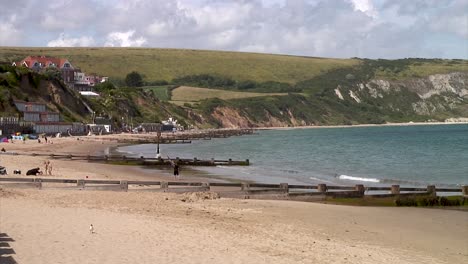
(228, 89)
(167, 64)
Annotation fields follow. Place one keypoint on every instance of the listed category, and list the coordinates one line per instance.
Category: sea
(413, 155)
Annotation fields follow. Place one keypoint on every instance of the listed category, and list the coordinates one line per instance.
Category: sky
(387, 29)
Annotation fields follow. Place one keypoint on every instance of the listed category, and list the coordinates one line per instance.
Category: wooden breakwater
(145, 161)
(235, 190)
(181, 137)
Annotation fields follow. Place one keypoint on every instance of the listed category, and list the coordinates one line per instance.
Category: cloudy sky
(324, 28)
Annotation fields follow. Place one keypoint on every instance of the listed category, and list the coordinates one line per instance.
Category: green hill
(251, 89)
(167, 64)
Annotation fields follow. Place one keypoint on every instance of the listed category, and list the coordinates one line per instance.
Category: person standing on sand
(176, 170)
(46, 165)
(50, 168)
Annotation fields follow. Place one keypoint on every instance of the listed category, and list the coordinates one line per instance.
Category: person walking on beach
(46, 165)
(176, 170)
(50, 168)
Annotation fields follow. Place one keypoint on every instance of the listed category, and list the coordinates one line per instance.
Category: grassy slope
(192, 94)
(166, 64)
(161, 92)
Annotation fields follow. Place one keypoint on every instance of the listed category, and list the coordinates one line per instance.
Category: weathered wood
(102, 181)
(295, 186)
(144, 182)
(408, 189)
(322, 188)
(222, 184)
(124, 186)
(185, 183)
(378, 188)
(431, 190)
(465, 190)
(264, 185)
(395, 189)
(59, 180)
(360, 188)
(164, 185)
(349, 188)
(17, 179)
(449, 190)
(284, 187)
(80, 183)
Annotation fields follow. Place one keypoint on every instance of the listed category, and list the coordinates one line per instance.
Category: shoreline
(365, 125)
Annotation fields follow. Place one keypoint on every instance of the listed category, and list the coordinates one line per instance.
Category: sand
(52, 226)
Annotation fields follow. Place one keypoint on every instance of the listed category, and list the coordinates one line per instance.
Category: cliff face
(435, 94)
(433, 98)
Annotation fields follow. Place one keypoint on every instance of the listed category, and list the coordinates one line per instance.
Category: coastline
(365, 125)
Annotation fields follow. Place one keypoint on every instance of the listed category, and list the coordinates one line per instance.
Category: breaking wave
(352, 178)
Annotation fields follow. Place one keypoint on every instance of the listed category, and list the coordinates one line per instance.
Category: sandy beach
(52, 225)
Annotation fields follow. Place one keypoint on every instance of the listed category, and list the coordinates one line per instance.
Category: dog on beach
(91, 229)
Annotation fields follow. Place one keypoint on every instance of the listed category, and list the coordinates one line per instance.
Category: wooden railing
(242, 189)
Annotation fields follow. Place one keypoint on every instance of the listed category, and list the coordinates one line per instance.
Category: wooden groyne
(145, 161)
(181, 137)
(236, 190)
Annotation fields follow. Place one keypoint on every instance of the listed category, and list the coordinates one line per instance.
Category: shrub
(408, 201)
(444, 201)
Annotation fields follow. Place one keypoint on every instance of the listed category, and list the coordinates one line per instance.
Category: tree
(134, 79)
(105, 86)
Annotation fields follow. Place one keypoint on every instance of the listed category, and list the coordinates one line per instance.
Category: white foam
(351, 178)
(319, 180)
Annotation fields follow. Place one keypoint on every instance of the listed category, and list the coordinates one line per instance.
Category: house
(41, 63)
(43, 121)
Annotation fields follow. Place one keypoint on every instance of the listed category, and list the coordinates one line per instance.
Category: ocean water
(405, 155)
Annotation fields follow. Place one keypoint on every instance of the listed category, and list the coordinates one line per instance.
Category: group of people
(37, 171)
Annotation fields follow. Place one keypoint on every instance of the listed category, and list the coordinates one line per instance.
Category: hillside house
(41, 63)
(44, 121)
(71, 75)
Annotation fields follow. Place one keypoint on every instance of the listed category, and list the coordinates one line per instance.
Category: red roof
(43, 61)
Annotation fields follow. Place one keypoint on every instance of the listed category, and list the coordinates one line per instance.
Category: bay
(380, 155)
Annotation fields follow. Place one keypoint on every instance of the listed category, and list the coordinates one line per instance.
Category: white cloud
(365, 6)
(64, 41)
(9, 35)
(338, 28)
(124, 39)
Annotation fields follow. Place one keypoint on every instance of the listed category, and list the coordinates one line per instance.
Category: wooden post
(206, 186)
(431, 190)
(465, 190)
(124, 186)
(360, 188)
(395, 189)
(80, 183)
(245, 186)
(284, 187)
(38, 183)
(322, 188)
